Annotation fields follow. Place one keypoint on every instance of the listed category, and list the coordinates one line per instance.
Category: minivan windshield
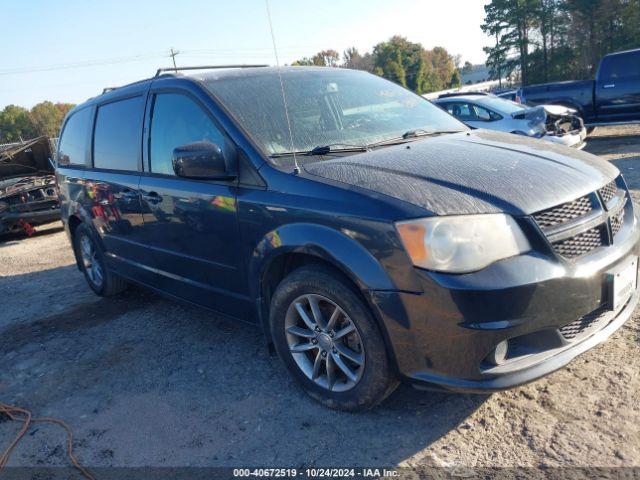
(326, 106)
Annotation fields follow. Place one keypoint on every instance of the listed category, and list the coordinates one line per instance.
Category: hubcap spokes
(91, 264)
(324, 342)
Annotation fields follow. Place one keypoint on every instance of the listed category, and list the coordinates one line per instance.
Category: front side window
(176, 121)
(326, 106)
(72, 147)
(117, 134)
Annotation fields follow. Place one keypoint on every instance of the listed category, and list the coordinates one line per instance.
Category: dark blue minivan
(370, 235)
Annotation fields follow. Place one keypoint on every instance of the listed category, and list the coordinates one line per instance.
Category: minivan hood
(473, 172)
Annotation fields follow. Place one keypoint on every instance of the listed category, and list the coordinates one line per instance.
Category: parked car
(28, 194)
(553, 123)
(612, 98)
(373, 237)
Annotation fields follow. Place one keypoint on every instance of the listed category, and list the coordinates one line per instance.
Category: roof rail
(205, 67)
(108, 89)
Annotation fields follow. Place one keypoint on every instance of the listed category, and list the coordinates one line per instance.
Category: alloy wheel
(90, 262)
(324, 342)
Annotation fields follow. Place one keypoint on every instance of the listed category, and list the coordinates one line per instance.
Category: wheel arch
(289, 247)
(73, 222)
(571, 104)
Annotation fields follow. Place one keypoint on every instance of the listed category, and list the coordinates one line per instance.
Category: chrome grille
(573, 329)
(580, 244)
(563, 213)
(617, 219)
(608, 192)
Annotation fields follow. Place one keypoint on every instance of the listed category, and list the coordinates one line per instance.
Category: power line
(257, 52)
(83, 64)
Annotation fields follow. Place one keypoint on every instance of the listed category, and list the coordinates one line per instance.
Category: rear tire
(93, 264)
(339, 355)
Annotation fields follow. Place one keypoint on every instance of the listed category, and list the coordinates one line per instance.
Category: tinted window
(116, 141)
(619, 67)
(177, 120)
(72, 146)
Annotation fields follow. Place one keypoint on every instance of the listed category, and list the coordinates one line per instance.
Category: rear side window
(460, 110)
(485, 115)
(117, 135)
(72, 147)
(177, 120)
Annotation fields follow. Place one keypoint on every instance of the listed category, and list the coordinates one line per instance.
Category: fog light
(499, 354)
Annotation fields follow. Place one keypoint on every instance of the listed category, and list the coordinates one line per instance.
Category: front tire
(93, 264)
(328, 340)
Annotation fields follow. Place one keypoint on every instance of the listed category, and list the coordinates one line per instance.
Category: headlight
(463, 243)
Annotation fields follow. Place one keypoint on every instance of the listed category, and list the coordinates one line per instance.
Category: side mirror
(204, 160)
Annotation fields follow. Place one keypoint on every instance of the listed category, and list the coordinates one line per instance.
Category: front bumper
(575, 139)
(10, 220)
(443, 337)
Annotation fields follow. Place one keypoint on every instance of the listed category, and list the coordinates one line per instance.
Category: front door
(618, 88)
(191, 225)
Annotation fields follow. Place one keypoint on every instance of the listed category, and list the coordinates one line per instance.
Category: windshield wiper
(346, 147)
(324, 150)
(411, 134)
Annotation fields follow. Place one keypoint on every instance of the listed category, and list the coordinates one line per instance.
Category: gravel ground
(146, 382)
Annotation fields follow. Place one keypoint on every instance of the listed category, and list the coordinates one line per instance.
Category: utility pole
(173, 54)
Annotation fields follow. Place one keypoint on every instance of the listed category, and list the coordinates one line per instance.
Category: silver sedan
(553, 123)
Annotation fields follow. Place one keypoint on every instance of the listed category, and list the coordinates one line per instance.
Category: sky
(69, 50)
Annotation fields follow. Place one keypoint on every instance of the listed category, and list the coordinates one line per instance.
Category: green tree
(303, 62)
(552, 40)
(455, 80)
(47, 117)
(398, 60)
(511, 23)
(353, 59)
(402, 62)
(16, 124)
(325, 58)
(444, 73)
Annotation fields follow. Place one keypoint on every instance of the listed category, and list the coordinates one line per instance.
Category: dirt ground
(146, 382)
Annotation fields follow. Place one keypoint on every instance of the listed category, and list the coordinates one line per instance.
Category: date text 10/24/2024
(315, 472)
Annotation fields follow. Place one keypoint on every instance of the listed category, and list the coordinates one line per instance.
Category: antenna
(296, 167)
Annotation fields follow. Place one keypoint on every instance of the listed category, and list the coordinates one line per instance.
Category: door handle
(609, 85)
(152, 197)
